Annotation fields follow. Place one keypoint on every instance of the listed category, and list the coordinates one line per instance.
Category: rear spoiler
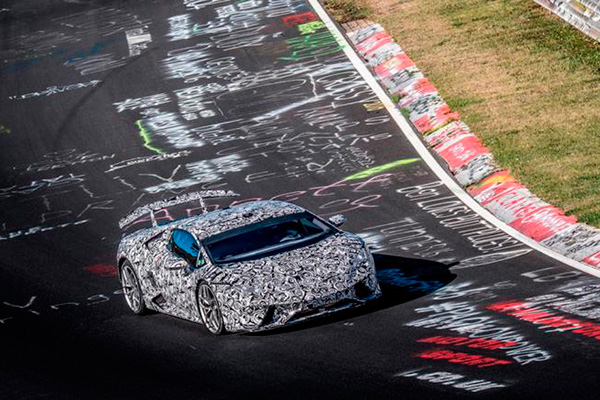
(185, 198)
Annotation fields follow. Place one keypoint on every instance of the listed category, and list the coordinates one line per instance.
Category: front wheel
(132, 289)
(210, 310)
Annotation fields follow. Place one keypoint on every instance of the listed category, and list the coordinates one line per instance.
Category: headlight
(361, 258)
(363, 264)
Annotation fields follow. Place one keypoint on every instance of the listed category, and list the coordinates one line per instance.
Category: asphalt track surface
(107, 105)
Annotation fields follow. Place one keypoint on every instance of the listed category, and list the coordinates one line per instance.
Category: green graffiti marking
(314, 45)
(376, 170)
(310, 27)
(4, 129)
(146, 136)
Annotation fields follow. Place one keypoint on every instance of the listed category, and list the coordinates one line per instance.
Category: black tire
(132, 289)
(209, 308)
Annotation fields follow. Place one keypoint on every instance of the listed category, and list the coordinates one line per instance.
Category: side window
(184, 245)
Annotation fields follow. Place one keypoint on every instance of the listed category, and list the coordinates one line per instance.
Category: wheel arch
(120, 263)
(198, 284)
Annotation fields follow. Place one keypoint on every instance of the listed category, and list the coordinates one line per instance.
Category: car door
(154, 253)
(175, 271)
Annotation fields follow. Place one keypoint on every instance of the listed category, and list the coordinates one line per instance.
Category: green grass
(395, 98)
(462, 102)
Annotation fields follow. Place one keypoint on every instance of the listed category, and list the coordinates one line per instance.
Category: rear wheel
(210, 310)
(132, 289)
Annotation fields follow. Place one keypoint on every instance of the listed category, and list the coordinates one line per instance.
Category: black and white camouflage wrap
(334, 273)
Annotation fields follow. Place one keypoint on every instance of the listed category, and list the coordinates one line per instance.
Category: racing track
(106, 105)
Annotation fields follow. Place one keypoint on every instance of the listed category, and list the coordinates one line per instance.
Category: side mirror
(337, 220)
(201, 261)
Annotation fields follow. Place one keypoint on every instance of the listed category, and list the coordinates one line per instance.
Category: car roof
(218, 221)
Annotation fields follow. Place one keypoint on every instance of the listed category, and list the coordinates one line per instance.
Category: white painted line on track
(413, 138)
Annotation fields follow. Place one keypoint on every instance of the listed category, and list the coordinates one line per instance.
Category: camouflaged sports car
(251, 267)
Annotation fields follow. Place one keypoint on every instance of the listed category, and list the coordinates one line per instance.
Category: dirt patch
(347, 10)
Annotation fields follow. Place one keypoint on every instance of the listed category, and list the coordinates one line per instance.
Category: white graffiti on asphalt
(200, 172)
(138, 40)
(455, 380)
(56, 89)
(141, 160)
(465, 318)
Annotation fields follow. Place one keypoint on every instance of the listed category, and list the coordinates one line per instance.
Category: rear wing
(185, 198)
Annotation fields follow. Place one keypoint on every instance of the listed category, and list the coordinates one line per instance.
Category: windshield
(272, 235)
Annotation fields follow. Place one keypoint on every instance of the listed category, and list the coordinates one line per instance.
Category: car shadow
(401, 280)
